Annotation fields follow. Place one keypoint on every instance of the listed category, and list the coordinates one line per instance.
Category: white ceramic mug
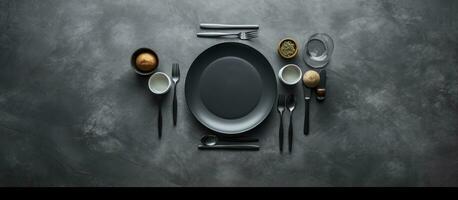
(290, 74)
(159, 83)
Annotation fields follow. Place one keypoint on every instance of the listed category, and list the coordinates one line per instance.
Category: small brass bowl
(282, 53)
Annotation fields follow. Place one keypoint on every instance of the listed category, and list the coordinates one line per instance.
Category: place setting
(231, 87)
(316, 56)
(145, 62)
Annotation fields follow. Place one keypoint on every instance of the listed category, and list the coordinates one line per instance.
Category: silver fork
(175, 79)
(244, 35)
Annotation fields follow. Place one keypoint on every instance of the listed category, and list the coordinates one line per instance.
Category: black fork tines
(291, 101)
(178, 71)
(174, 69)
(281, 101)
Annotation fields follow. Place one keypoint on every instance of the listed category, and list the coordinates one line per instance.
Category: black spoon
(210, 142)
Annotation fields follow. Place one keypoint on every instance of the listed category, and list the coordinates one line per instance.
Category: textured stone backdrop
(73, 113)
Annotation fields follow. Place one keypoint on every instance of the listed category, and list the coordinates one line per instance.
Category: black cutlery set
(288, 103)
(230, 88)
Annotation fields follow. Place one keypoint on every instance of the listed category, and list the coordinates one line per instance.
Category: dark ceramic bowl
(134, 58)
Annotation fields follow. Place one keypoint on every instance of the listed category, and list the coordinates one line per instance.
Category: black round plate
(230, 88)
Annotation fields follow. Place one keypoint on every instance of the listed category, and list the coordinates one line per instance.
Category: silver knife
(227, 26)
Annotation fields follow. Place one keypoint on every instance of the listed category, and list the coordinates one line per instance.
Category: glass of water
(318, 50)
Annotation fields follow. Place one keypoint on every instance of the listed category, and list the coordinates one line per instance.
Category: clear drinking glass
(318, 50)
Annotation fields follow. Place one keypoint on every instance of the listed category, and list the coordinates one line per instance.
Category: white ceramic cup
(159, 83)
(290, 74)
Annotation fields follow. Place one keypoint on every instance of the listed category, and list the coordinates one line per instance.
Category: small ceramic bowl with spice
(288, 48)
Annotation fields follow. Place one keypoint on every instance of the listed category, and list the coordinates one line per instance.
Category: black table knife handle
(321, 89)
(159, 122)
(239, 139)
(229, 147)
(290, 133)
(280, 134)
(175, 106)
(307, 116)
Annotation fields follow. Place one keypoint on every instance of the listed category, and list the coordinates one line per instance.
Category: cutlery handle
(239, 139)
(321, 89)
(280, 134)
(228, 26)
(175, 105)
(214, 34)
(159, 121)
(230, 147)
(290, 133)
(307, 117)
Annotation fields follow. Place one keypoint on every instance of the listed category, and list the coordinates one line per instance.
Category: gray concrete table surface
(73, 112)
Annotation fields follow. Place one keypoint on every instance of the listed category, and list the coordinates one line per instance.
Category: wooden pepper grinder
(321, 89)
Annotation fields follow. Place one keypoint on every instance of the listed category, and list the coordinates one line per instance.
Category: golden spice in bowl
(287, 48)
(144, 61)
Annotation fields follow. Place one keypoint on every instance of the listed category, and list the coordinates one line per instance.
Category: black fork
(281, 106)
(291, 106)
(175, 79)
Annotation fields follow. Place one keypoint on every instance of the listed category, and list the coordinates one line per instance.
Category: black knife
(239, 139)
(159, 119)
(307, 97)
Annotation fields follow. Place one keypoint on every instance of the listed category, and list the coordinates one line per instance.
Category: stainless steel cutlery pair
(286, 103)
(243, 35)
